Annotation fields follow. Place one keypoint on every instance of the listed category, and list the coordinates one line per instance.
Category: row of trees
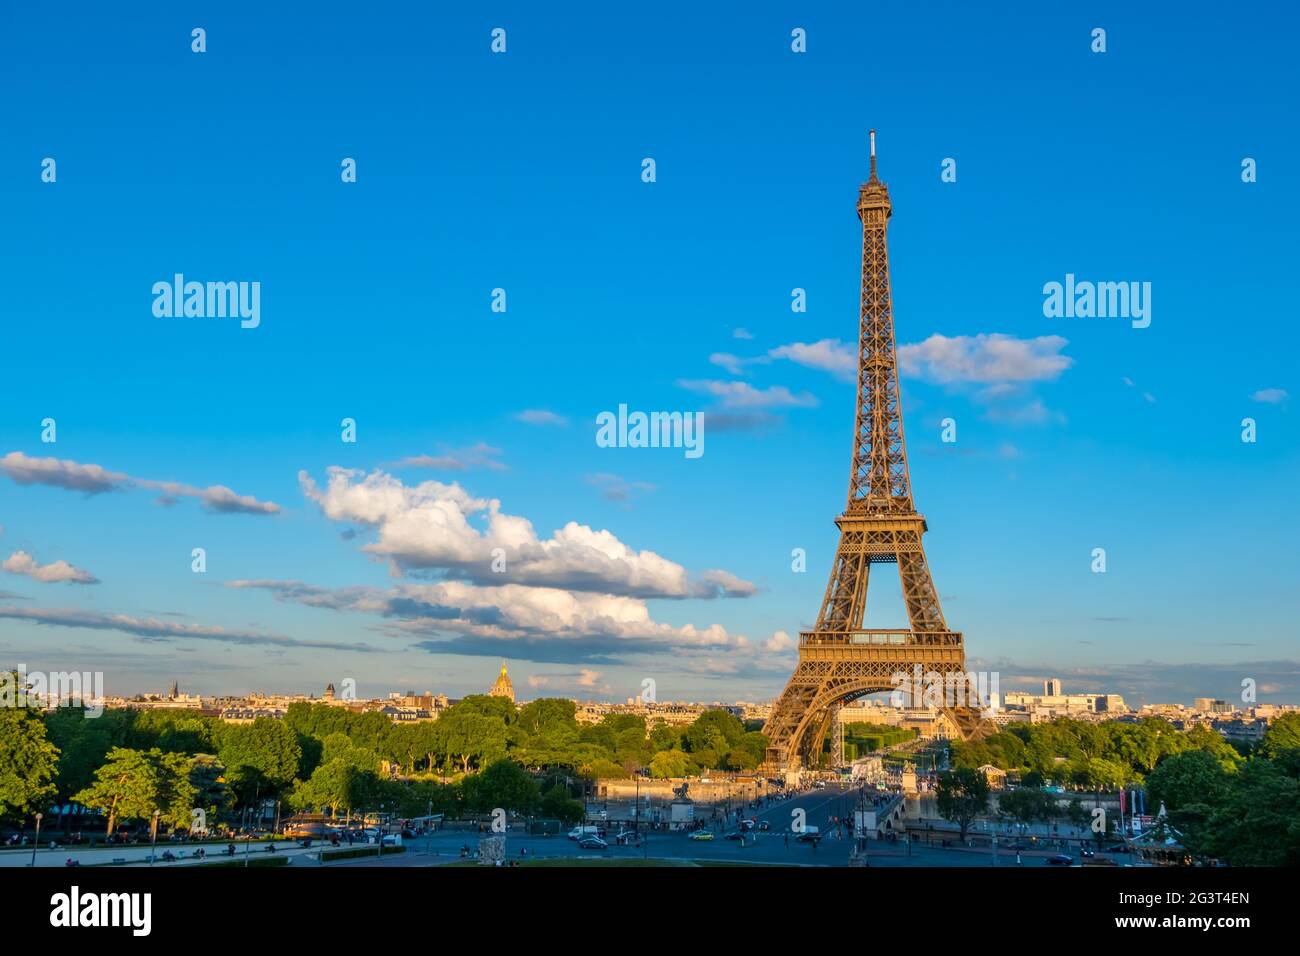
(1243, 808)
(480, 754)
(1107, 755)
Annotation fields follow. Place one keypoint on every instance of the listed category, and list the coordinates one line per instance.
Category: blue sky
(522, 171)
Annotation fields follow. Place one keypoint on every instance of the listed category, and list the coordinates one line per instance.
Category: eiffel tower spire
(839, 660)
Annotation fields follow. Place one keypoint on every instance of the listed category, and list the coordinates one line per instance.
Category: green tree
(669, 763)
(126, 787)
(261, 758)
(962, 795)
(502, 784)
(28, 762)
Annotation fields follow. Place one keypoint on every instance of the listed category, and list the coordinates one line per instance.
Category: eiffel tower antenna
(839, 660)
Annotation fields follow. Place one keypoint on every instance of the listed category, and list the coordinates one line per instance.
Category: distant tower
(175, 691)
(503, 687)
(329, 691)
(1052, 687)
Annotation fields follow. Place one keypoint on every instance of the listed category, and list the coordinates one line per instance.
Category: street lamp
(39, 818)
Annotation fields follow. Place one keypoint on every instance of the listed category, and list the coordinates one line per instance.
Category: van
(577, 833)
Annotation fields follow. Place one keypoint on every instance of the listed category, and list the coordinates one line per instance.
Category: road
(774, 846)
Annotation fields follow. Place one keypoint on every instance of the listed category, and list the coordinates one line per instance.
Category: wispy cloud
(826, 355)
(155, 630)
(615, 488)
(480, 455)
(1270, 396)
(541, 416)
(744, 395)
(94, 480)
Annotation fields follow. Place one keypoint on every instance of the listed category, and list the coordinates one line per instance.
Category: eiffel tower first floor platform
(835, 667)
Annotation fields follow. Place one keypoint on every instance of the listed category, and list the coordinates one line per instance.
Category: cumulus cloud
(155, 630)
(94, 480)
(507, 611)
(20, 562)
(779, 643)
(987, 357)
(428, 527)
(541, 416)
(744, 395)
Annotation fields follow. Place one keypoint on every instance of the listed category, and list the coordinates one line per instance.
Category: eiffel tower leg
(923, 609)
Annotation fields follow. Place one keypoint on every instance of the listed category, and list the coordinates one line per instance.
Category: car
(1086, 852)
(592, 843)
(809, 835)
(1118, 848)
(764, 825)
(701, 835)
(733, 835)
(625, 836)
(748, 824)
(1060, 859)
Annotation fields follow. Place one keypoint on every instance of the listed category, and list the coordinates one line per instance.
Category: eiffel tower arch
(839, 660)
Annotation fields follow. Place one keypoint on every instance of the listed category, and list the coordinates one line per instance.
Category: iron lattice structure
(839, 660)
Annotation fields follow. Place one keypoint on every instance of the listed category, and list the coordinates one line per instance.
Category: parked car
(701, 835)
(592, 843)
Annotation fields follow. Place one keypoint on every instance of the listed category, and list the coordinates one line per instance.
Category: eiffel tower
(839, 660)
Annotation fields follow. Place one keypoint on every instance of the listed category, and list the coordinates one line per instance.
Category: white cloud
(779, 643)
(615, 488)
(541, 416)
(826, 355)
(731, 363)
(1270, 396)
(744, 395)
(428, 526)
(93, 480)
(154, 629)
(987, 357)
(741, 333)
(480, 455)
(503, 611)
(20, 562)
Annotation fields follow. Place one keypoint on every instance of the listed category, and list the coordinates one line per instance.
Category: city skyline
(477, 429)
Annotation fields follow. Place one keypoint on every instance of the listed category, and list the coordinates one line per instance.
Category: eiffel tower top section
(879, 483)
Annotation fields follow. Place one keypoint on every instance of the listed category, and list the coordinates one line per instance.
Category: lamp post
(39, 818)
